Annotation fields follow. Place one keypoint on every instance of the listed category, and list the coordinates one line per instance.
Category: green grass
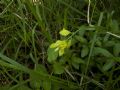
(27, 30)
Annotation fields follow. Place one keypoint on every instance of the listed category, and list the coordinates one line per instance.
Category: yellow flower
(60, 45)
(64, 32)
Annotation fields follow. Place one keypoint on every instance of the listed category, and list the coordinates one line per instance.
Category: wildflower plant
(61, 45)
(58, 48)
(59, 52)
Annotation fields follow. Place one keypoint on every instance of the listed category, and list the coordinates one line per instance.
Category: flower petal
(53, 45)
(64, 32)
(61, 52)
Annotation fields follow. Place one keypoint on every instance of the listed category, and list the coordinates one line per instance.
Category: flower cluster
(61, 45)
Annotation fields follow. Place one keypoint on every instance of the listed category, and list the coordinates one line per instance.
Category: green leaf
(116, 49)
(58, 68)
(108, 65)
(85, 51)
(102, 51)
(75, 65)
(114, 26)
(35, 83)
(81, 39)
(76, 61)
(52, 55)
(98, 43)
(109, 43)
(23, 87)
(47, 85)
(41, 68)
(116, 59)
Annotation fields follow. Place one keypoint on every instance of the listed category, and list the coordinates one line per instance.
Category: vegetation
(59, 45)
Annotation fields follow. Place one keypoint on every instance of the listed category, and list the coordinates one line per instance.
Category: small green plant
(59, 53)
